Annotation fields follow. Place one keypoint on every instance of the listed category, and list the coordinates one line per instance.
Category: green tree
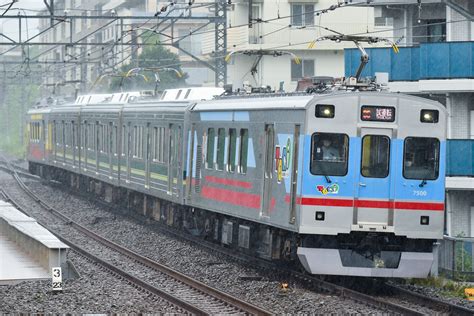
(153, 60)
(16, 101)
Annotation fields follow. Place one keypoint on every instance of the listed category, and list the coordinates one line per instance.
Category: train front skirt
(387, 265)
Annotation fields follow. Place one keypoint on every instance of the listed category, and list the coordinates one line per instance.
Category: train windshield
(375, 156)
(329, 154)
(421, 158)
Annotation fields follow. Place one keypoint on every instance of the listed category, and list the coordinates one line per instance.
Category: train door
(148, 155)
(128, 144)
(111, 147)
(373, 205)
(192, 161)
(172, 161)
(268, 169)
(73, 143)
(294, 174)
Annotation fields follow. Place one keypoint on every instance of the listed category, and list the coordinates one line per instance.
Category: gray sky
(9, 27)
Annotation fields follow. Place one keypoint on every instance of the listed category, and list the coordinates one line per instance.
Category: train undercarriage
(357, 250)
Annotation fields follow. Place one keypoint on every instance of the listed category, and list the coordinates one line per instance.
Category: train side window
(211, 134)
(232, 150)
(421, 158)
(329, 154)
(375, 156)
(220, 148)
(244, 148)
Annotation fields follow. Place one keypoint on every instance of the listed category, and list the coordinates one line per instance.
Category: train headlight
(429, 116)
(320, 216)
(325, 110)
(425, 220)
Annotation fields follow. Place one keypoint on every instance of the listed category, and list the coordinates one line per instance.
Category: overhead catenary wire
(275, 31)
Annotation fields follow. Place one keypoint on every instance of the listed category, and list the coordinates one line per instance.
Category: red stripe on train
(228, 196)
(373, 204)
(229, 182)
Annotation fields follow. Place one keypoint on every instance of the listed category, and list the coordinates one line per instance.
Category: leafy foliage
(156, 57)
(16, 101)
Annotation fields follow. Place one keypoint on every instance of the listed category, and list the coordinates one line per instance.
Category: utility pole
(221, 43)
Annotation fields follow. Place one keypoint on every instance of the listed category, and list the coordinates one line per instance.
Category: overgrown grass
(447, 287)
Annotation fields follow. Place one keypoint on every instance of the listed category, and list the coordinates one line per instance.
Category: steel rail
(121, 273)
(319, 284)
(230, 300)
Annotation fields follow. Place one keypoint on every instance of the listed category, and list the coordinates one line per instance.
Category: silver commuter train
(350, 183)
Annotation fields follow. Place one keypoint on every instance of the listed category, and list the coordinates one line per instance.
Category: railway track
(396, 304)
(180, 290)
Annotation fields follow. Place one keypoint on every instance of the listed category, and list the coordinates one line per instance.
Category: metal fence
(456, 257)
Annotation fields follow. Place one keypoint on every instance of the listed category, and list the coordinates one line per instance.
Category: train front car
(373, 180)
(39, 139)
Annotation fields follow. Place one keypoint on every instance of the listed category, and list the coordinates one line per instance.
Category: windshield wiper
(422, 183)
(327, 179)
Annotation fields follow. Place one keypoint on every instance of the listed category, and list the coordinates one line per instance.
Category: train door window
(421, 158)
(158, 144)
(134, 141)
(220, 148)
(161, 144)
(83, 135)
(99, 137)
(141, 141)
(114, 140)
(63, 133)
(154, 140)
(211, 134)
(243, 152)
(329, 154)
(232, 150)
(124, 139)
(375, 156)
(43, 131)
(73, 135)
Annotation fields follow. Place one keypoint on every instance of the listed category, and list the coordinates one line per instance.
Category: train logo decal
(282, 160)
(330, 189)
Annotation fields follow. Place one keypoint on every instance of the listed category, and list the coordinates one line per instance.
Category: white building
(298, 25)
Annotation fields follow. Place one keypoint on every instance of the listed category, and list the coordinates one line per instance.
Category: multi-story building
(91, 48)
(287, 27)
(436, 61)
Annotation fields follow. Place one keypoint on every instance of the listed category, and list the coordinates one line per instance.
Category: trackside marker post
(57, 279)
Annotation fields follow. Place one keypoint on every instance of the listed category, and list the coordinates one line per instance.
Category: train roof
(285, 101)
(157, 106)
(255, 103)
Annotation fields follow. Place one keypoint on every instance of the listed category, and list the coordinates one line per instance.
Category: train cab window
(232, 150)
(375, 156)
(421, 158)
(329, 154)
(220, 148)
(244, 149)
(211, 134)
